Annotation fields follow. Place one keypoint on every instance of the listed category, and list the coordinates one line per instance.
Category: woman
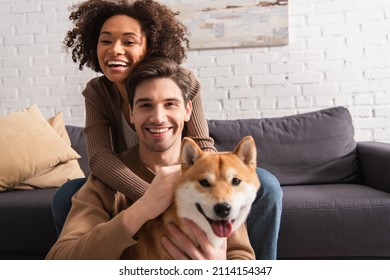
(111, 37)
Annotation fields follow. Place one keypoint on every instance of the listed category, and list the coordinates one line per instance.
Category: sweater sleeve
(99, 131)
(92, 230)
(238, 245)
(197, 127)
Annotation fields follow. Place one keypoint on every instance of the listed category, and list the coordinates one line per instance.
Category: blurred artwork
(232, 23)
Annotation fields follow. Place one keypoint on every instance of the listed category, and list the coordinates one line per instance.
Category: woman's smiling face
(120, 47)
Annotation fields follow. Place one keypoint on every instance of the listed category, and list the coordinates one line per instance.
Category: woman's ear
(188, 111)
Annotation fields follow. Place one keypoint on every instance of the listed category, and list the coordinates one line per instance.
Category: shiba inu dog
(215, 191)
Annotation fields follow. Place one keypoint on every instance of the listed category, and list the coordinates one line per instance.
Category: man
(102, 224)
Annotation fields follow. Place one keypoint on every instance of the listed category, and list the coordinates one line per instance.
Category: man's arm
(95, 230)
(155, 200)
(92, 229)
(239, 246)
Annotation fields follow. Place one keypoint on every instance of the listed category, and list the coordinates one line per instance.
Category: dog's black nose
(222, 209)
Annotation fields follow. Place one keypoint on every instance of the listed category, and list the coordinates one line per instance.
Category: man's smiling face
(159, 114)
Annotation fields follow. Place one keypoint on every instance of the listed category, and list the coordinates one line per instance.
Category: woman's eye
(105, 42)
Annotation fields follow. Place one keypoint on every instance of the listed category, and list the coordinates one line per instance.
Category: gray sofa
(336, 201)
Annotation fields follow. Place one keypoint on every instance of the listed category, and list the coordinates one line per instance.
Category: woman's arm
(104, 163)
(197, 127)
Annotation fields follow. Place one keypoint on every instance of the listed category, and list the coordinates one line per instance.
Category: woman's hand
(187, 250)
(156, 199)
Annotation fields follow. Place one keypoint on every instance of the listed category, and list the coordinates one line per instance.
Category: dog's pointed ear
(190, 152)
(246, 151)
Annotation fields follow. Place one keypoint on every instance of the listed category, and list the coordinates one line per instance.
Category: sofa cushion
(311, 148)
(334, 220)
(29, 146)
(27, 225)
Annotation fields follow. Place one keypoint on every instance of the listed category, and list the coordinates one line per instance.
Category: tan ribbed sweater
(94, 228)
(105, 139)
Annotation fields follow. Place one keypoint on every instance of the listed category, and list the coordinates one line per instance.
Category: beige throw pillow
(59, 174)
(29, 146)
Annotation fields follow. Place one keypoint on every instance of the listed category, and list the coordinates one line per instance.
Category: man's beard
(160, 147)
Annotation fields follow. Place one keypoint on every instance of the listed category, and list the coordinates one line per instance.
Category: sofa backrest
(77, 139)
(311, 148)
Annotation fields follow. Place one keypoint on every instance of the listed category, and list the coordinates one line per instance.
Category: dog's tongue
(222, 228)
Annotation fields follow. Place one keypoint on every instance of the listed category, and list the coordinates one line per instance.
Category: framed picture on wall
(232, 23)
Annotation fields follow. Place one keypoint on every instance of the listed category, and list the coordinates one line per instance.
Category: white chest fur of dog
(215, 191)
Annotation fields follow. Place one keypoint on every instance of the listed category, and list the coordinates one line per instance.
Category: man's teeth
(117, 63)
(158, 130)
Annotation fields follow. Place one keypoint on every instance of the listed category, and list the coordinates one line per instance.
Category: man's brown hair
(159, 67)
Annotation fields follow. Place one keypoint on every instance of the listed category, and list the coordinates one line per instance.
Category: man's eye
(170, 104)
(129, 43)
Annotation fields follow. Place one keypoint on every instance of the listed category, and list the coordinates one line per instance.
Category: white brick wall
(338, 54)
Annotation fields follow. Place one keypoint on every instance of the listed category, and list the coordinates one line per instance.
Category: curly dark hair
(166, 35)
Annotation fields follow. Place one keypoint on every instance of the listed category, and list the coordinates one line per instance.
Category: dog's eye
(204, 183)
(236, 181)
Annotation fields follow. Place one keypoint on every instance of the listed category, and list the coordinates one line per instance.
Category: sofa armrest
(374, 162)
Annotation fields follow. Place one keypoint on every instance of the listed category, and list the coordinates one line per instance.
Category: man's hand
(187, 250)
(156, 199)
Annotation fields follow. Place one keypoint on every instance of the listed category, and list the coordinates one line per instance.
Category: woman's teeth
(117, 63)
